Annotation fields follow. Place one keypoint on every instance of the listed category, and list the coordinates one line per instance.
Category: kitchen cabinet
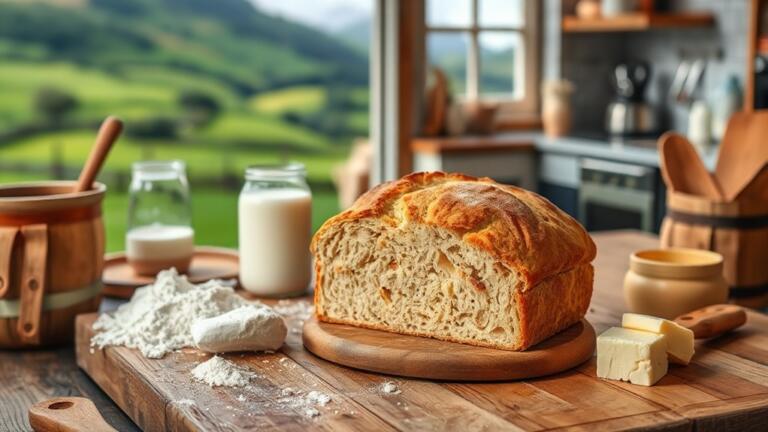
(509, 160)
(559, 181)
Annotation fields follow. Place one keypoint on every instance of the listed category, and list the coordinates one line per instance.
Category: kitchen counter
(726, 387)
(636, 150)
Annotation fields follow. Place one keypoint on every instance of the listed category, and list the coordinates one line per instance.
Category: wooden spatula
(67, 414)
(742, 152)
(108, 132)
(683, 170)
(713, 320)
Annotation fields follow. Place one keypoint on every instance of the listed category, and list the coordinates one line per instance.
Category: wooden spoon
(683, 170)
(67, 414)
(742, 152)
(757, 187)
(108, 134)
(713, 320)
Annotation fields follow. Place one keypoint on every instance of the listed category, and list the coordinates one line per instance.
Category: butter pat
(631, 355)
(679, 338)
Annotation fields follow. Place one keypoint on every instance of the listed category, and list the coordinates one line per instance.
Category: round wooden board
(418, 357)
(207, 263)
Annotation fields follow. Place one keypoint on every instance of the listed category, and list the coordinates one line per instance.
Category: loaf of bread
(456, 258)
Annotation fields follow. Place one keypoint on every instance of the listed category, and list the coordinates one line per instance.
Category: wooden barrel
(738, 230)
(51, 258)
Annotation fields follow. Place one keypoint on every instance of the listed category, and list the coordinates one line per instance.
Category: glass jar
(274, 230)
(668, 283)
(160, 233)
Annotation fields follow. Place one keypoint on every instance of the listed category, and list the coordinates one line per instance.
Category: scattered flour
(389, 387)
(300, 310)
(318, 398)
(185, 402)
(218, 371)
(312, 412)
(241, 398)
(158, 318)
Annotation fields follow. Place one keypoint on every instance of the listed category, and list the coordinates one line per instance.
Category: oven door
(615, 195)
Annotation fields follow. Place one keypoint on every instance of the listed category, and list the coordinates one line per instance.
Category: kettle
(629, 114)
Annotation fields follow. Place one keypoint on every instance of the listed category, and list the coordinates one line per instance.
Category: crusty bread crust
(519, 228)
(548, 249)
(554, 304)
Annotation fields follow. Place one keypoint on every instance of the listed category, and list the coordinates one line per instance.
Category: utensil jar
(274, 228)
(671, 282)
(51, 256)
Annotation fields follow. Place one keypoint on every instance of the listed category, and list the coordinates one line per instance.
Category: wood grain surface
(419, 357)
(726, 387)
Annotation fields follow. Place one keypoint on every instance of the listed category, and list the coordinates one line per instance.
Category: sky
(328, 15)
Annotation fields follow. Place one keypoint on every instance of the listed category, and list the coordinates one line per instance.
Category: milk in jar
(274, 229)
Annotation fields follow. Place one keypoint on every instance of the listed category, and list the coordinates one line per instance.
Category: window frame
(527, 105)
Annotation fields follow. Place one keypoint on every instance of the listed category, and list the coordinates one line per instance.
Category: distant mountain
(356, 34)
(226, 39)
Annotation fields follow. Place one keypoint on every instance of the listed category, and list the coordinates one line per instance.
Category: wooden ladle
(67, 414)
(108, 133)
(683, 170)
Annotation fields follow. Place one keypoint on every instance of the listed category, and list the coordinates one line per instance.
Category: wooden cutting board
(724, 388)
(418, 357)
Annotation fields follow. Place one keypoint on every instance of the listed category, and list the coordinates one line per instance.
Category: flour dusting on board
(220, 372)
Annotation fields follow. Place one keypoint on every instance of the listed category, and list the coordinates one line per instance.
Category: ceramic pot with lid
(670, 282)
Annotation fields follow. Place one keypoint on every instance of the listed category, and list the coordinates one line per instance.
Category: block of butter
(631, 355)
(679, 338)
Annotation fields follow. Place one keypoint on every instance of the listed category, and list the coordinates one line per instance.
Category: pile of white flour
(158, 318)
(220, 372)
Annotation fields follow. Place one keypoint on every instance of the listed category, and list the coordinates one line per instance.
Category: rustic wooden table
(726, 389)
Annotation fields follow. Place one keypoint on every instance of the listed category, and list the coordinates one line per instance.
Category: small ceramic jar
(670, 282)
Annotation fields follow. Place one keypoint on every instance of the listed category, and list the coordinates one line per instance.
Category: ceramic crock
(671, 282)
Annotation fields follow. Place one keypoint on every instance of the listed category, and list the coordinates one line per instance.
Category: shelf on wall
(637, 22)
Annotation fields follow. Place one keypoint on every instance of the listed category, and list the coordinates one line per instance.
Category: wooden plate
(207, 263)
(417, 357)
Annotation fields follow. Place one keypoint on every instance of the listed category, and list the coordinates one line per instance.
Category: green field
(280, 92)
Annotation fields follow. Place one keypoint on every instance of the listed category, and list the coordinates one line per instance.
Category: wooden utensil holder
(738, 230)
(51, 257)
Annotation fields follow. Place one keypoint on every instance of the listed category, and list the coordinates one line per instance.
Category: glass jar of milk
(160, 234)
(275, 224)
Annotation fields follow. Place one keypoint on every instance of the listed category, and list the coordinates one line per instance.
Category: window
(220, 84)
(487, 48)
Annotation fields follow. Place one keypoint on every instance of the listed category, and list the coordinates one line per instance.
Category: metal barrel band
(61, 300)
(747, 291)
(737, 222)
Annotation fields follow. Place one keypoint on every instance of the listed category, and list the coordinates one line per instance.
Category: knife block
(738, 230)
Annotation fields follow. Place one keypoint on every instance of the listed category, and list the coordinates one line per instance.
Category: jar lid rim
(159, 165)
(288, 169)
